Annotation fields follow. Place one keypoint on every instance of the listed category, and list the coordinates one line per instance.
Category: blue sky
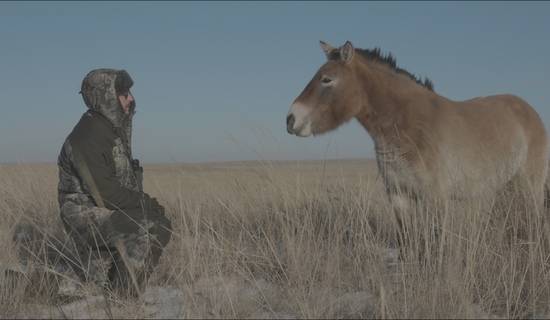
(214, 80)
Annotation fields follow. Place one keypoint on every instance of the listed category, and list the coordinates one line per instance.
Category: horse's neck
(386, 114)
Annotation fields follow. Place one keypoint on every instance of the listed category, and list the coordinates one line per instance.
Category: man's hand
(156, 207)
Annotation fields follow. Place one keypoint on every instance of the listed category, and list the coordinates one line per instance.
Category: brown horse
(427, 146)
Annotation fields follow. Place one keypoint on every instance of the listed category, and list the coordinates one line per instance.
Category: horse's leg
(547, 188)
(407, 217)
(401, 209)
(530, 189)
(531, 231)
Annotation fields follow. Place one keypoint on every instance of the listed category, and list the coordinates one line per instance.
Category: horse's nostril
(289, 123)
(289, 118)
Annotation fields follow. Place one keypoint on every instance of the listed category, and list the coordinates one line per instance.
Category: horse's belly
(472, 186)
(464, 178)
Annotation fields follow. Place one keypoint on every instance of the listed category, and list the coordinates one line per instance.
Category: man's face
(126, 100)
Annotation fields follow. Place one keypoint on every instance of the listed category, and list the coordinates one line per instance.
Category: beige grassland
(309, 239)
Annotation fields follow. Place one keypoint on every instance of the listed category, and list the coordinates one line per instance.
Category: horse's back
(516, 112)
(493, 120)
(486, 142)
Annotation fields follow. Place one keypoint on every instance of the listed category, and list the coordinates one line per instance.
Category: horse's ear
(327, 48)
(347, 52)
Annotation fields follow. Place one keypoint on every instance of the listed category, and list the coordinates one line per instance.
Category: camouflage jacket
(97, 174)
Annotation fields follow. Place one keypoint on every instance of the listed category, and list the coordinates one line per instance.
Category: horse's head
(331, 98)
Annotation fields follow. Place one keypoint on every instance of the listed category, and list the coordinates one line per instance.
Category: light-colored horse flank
(427, 146)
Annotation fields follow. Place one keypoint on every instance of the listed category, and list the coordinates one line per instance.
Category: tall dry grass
(311, 240)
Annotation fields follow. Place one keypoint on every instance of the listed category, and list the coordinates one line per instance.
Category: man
(103, 206)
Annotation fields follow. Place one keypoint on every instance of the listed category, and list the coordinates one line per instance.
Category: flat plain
(295, 239)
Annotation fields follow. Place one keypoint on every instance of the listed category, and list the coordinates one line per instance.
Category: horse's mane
(388, 60)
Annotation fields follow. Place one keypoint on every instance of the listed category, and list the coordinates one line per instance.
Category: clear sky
(214, 80)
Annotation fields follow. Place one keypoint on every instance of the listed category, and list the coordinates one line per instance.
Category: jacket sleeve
(95, 166)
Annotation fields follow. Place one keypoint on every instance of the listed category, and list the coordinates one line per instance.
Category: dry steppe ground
(303, 239)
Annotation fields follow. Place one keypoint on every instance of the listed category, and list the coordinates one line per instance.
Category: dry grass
(308, 240)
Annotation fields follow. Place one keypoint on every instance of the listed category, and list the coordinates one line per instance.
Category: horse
(427, 146)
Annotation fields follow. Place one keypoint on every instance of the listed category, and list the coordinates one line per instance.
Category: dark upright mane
(389, 61)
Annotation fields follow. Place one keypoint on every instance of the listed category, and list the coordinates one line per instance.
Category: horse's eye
(326, 80)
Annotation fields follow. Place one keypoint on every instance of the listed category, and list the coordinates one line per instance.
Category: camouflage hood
(100, 90)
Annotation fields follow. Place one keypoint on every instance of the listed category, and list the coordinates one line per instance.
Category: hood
(100, 89)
